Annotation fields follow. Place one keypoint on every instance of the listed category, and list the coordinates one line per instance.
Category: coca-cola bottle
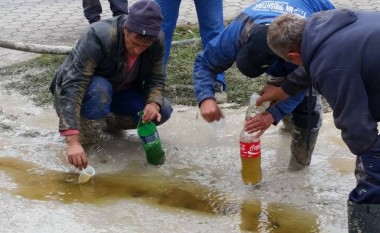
(250, 148)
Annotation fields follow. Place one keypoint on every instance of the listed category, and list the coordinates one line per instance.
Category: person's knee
(101, 88)
(97, 99)
(166, 111)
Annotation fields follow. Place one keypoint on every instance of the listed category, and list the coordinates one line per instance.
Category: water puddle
(276, 218)
(36, 183)
(344, 166)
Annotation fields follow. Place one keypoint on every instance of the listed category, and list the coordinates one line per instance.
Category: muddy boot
(299, 156)
(119, 122)
(363, 218)
(90, 130)
(287, 123)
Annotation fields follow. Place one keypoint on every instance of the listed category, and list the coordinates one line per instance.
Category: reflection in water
(276, 218)
(40, 184)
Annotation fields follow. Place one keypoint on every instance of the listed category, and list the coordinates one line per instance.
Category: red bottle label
(250, 149)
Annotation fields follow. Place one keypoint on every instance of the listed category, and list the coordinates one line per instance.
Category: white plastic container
(86, 174)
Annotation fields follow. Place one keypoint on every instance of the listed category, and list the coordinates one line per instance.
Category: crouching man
(115, 70)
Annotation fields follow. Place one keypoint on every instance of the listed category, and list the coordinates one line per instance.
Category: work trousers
(92, 9)
(100, 100)
(210, 20)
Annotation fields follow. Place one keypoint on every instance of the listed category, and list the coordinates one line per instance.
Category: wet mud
(37, 183)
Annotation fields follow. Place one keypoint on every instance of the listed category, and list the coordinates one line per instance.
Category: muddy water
(37, 183)
(198, 189)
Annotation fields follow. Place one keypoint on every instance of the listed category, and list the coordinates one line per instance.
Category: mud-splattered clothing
(100, 51)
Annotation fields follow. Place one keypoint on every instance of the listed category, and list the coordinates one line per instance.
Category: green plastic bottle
(151, 142)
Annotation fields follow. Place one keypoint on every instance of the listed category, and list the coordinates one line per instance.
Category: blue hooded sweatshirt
(341, 52)
(221, 52)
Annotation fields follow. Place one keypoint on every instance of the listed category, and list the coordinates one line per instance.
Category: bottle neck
(250, 112)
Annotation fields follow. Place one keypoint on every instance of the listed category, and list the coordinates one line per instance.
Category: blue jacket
(347, 75)
(221, 52)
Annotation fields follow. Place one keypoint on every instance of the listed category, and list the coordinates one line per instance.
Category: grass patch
(189, 31)
(32, 78)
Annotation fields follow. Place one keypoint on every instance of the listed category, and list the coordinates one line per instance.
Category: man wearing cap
(114, 71)
(244, 42)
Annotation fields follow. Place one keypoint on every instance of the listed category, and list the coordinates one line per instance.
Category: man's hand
(151, 112)
(75, 152)
(210, 110)
(272, 94)
(259, 123)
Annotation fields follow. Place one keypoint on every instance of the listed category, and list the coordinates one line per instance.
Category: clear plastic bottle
(250, 147)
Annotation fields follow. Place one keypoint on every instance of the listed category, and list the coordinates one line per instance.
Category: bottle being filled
(151, 141)
(250, 147)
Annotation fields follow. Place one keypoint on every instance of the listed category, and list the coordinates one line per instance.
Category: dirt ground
(198, 189)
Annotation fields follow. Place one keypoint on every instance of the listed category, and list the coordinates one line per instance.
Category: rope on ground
(52, 49)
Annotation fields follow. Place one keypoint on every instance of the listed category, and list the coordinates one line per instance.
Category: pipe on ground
(52, 49)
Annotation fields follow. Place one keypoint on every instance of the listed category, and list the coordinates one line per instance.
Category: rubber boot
(119, 122)
(287, 123)
(90, 130)
(363, 218)
(299, 156)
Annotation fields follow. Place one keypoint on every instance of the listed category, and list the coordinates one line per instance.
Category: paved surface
(60, 22)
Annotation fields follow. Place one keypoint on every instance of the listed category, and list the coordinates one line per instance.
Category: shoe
(220, 94)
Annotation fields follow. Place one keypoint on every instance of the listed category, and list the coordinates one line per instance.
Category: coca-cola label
(250, 149)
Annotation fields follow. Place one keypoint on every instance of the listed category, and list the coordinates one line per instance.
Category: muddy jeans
(367, 174)
(100, 100)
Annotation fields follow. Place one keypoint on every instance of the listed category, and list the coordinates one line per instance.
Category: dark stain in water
(34, 182)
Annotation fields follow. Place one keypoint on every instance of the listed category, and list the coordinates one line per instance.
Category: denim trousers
(100, 100)
(210, 20)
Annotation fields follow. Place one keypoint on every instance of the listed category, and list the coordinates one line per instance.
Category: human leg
(170, 11)
(118, 7)
(211, 24)
(92, 10)
(97, 99)
(136, 103)
(363, 218)
(364, 199)
(95, 107)
(210, 19)
(302, 146)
